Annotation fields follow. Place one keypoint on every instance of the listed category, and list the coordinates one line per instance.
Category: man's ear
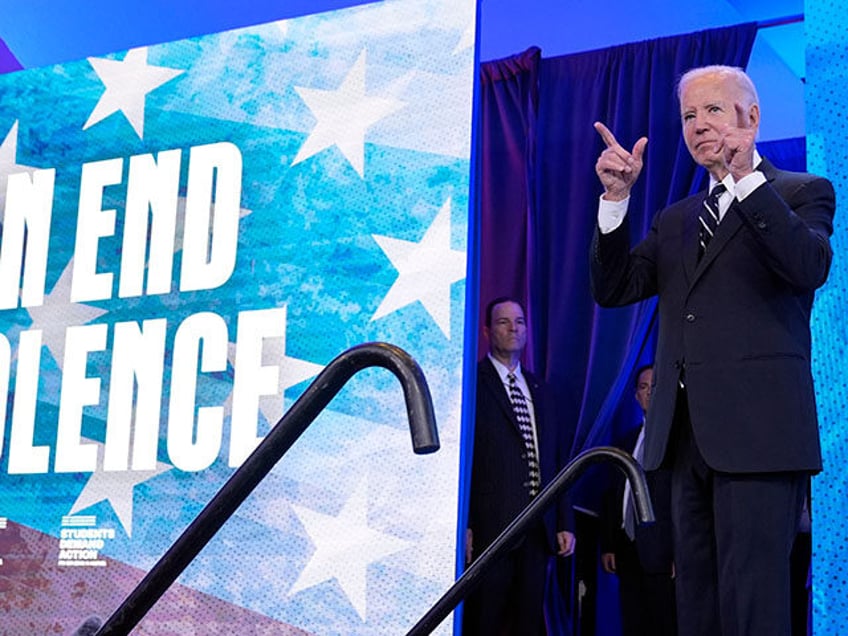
(754, 116)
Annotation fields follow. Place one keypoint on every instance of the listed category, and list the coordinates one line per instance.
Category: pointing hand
(617, 168)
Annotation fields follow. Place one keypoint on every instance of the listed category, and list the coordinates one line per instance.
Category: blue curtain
(788, 154)
(507, 134)
(538, 196)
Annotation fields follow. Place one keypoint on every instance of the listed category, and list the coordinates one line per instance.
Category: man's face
(709, 106)
(508, 332)
(643, 388)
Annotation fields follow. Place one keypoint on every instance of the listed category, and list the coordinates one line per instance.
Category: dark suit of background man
(733, 410)
(642, 562)
(509, 599)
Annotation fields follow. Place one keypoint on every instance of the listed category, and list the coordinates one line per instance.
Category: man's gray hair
(740, 76)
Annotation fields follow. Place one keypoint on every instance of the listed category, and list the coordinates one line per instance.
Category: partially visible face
(643, 388)
(508, 332)
(708, 105)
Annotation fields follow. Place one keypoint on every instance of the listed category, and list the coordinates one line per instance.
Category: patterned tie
(709, 218)
(525, 425)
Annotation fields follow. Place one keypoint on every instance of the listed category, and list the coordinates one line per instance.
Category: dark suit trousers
(647, 599)
(733, 535)
(509, 599)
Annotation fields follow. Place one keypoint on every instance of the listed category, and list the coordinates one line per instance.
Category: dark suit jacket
(736, 324)
(653, 542)
(499, 469)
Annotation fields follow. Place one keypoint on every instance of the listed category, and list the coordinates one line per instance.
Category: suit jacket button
(690, 317)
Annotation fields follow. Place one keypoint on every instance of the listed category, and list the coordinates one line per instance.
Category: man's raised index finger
(741, 120)
(606, 135)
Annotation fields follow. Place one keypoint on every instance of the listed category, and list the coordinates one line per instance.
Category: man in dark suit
(733, 411)
(641, 556)
(511, 463)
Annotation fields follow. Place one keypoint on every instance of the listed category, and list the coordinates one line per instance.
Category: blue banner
(191, 231)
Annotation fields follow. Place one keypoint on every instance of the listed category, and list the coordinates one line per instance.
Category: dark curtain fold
(508, 105)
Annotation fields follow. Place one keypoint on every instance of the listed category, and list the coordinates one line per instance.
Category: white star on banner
(433, 517)
(116, 487)
(344, 547)
(426, 270)
(466, 41)
(127, 82)
(9, 163)
(283, 26)
(343, 115)
(56, 314)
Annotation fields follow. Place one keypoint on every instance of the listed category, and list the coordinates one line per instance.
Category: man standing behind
(516, 452)
(733, 411)
(641, 556)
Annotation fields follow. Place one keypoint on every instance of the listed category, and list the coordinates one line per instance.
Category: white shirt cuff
(611, 214)
(746, 185)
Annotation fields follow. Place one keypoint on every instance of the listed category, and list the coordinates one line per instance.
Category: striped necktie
(709, 218)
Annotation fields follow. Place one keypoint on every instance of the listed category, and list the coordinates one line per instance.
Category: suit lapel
(496, 387)
(730, 224)
(690, 237)
(535, 394)
(547, 447)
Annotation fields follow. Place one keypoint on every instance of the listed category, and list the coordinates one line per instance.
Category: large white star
(344, 547)
(116, 487)
(343, 115)
(426, 270)
(56, 314)
(429, 481)
(9, 163)
(127, 82)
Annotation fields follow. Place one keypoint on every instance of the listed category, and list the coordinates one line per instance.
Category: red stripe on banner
(37, 596)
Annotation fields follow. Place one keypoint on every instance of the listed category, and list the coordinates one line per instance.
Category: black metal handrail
(425, 439)
(515, 530)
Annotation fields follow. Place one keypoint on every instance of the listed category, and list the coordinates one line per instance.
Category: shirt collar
(502, 370)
